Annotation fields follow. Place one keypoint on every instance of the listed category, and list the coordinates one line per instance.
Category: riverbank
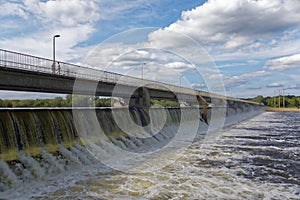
(271, 109)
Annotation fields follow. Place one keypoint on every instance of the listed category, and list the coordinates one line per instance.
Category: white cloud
(198, 86)
(117, 57)
(64, 12)
(13, 9)
(217, 76)
(180, 66)
(122, 9)
(254, 88)
(275, 85)
(40, 43)
(26, 95)
(235, 24)
(284, 63)
(243, 79)
(294, 87)
(74, 20)
(256, 74)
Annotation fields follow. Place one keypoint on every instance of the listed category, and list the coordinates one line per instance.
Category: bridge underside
(34, 81)
(24, 80)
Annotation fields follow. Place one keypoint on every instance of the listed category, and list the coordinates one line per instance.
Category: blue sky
(255, 45)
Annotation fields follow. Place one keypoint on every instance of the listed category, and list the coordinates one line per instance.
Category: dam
(37, 143)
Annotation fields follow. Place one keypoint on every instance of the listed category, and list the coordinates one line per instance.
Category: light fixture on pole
(180, 76)
(142, 71)
(55, 36)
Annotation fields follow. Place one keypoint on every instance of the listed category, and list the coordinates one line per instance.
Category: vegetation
(79, 101)
(289, 101)
(56, 102)
(76, 100)
(165, 103)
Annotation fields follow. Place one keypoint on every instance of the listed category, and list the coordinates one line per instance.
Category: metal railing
(15, 60)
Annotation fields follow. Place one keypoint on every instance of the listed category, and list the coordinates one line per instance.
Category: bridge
(23, 72)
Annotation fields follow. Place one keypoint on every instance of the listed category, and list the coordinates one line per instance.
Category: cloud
(294, 87)
(254, 88)
(284, 63)
(275, 85)
(256, 74)
(227, 65)
(64, 12)
(74, 20)
(180, 66)
(40, 43)
(217, 76)
(123, 9)
(13, 9)
(236, 81)
(26, 95)
(198, 86)
(236, 24)
(129, 59)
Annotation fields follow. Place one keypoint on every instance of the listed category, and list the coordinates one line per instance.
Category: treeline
(76, 100)
(289, 101)
(57, 102)
(30, 103)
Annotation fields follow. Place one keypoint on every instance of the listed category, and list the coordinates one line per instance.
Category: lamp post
(55, 36)
(283, 93)
(279, 98)
(180, 76)
(142, 71)
(274, 98)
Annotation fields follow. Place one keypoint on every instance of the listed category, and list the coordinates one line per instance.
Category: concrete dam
(37, 143)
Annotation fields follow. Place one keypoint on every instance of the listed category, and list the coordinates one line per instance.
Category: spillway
(38, 143)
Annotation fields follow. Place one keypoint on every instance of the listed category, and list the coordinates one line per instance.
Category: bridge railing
(15, 60)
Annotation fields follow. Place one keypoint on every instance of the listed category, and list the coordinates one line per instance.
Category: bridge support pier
(141, 102)
(204, 105)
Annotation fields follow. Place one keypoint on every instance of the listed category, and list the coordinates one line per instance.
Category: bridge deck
(22, 72)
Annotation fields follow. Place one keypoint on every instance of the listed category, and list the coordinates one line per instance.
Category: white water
(55, 167)
(32, 165)
(8, 178)
(74, 165)
(249, 161)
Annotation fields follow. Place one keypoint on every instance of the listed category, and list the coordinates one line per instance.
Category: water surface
(255, 159)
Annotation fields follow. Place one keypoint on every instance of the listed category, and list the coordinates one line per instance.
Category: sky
(249, 47)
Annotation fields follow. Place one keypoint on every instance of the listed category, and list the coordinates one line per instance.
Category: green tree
(259, 99)
(69, 99)
(294, 102)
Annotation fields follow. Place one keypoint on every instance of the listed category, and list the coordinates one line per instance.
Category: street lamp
(55, 36)
(180, 76)
(142, 70)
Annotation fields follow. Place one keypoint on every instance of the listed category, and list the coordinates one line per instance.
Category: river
(256, 159)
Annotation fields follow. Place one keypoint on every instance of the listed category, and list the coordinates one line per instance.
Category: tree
(259, 99)
(294, 102)
(69, 99)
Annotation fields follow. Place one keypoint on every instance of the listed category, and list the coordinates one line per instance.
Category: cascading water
(35, 143)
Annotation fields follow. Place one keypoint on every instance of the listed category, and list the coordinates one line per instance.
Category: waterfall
(7, 177)
(35, 143)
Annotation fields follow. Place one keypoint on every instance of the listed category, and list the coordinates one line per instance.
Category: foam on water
(69, 155)
(81, 156)
(55, 166)
(32, 165)
(250, 161)
(7, 177)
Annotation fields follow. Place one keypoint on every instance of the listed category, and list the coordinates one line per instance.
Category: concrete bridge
(22, 72)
